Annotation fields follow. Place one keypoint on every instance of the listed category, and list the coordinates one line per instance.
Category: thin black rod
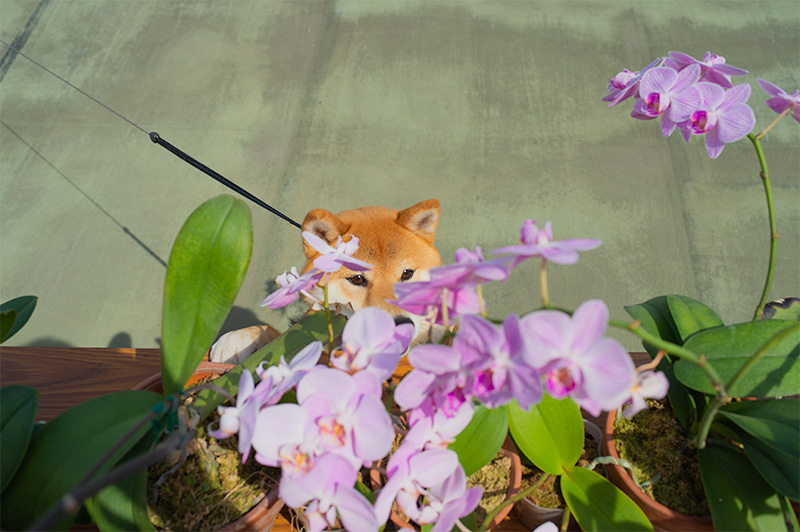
(208, 171)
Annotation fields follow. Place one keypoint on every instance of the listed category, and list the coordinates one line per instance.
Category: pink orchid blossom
(626, 84)
(432, 427)
(332, 258)
(671, 95)
(424, 297)
(576, 359)
(712, 67)
(649, 385)
(724, 116)
(780, 101)
(440, 373)
(449, 501)
(291, 286)
(329, 488)
(349, 414)
(284, 376)
(502, 372)
(371, 340)
(539, 243)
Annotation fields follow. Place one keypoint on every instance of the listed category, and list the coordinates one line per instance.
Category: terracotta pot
(531, 515)
(663, 518)
(262, 516)
(515, 480)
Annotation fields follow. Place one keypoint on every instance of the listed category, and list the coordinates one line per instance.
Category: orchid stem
(778, 119)
(479, 290)
(773, 228)
(327, 308)
(445, 317)
(512, 500)
(543, 284)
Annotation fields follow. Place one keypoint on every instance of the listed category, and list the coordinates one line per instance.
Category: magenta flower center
(655, 104)
(295, 460)
(702, 122)
(560, 382)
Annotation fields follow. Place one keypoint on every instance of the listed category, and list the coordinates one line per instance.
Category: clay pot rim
(654, 508)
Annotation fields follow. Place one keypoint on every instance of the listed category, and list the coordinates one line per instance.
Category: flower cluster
(696, 97)
(339, 424)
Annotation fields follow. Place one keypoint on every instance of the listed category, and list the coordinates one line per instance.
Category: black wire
(156, 138)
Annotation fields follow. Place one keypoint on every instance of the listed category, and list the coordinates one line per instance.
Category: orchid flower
(332, 258)
(576, 359)
(291, 286)
(724, 116)
(712, 67)
(371, 340)
(649, 385)
(433, 427)
(441, 373)
(671, 95)
(348, 412)
(503, 373)
(283, 377)
(449, 501)
(442, 295)
(626, 84)
(780, 101)
(539, 243)
(329, 488)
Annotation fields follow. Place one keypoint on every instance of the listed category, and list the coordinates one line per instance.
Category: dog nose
(399, 320)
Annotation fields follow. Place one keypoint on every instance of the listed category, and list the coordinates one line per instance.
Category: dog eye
(358, 280)
(406, 275)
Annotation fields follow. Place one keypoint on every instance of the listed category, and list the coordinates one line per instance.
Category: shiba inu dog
(399, 244)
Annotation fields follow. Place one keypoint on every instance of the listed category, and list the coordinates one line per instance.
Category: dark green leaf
(18, 406)
(740, 499)
(65, 450)
(123, 506)
(787, 308)
(312, 327)
(770, 433)
(728, 348)
(479, 442)
(7, 319)
(206, 268)
(23, 307)
(550, 434)
(691, 316)
(599, 505)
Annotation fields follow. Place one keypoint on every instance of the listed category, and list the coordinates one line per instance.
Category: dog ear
(323, 224)
(421, 219)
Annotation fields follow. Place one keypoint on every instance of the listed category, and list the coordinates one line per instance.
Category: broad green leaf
(728, 348)
(597, 504)
(123, 506)
(7, 319)
(479, 442)
(770, 434)
(23, 308)
(655, 318)
(787, 308)
(550, 434)
(739, 498)
(66, 449)
(206, 268)
(18, 406)
(691, 316)
(312, 327)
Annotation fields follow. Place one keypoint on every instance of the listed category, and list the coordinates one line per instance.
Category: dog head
(399, 244)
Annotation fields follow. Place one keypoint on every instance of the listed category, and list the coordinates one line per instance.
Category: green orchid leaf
(550, 434)
(787, 308)
(312, 327)
(18, 311)
(739, 497)
(479, 442)
(206, 268)
(599, 505)
(66, 449)
(655, 318)
(18, 406)
(770, 433)
(123, 506)
(691, 316)
(777, 373)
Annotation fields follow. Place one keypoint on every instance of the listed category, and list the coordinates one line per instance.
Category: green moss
(656, 444)
(494, 479)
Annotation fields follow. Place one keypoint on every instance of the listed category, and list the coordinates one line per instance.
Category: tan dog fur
(399, 244)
